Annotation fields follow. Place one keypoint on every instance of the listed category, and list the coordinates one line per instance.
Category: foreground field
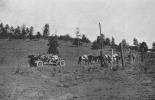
(20, 82)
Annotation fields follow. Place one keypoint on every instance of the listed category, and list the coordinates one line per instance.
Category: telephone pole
(101, 43)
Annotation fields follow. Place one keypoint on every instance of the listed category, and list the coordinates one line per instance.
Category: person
(55, 57)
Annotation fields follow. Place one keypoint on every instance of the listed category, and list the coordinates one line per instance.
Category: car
(46, 59)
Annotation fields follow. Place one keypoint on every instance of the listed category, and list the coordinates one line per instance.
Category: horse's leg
(87, 62)
(79, 60)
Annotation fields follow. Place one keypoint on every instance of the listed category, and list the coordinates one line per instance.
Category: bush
(95, 45)
(53, 45)
(85, 39)
(66, 37)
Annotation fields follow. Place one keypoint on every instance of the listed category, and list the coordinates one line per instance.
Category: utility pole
(101, 43)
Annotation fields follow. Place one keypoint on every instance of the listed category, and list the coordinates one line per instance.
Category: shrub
(53, 45)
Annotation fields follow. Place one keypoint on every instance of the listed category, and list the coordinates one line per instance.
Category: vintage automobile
(46, 59)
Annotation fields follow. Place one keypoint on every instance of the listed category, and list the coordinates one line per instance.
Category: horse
(83, 58)
(91, 59)
(96, 59)
(116, 58)
(112, 59)
(87, 59)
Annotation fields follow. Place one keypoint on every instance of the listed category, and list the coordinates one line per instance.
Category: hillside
(18, 81)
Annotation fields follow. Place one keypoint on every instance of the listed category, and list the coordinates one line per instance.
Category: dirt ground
(18, 81)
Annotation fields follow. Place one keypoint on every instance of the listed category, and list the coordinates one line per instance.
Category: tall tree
(7, 27)
(153, 45)
(143, 48)
(12, 30)
(85, 39)
(31, 32)
(23, 30)
(124, 44)
(95, 45)
(53, 45)
(5, 33)
(27, 32)
(38, 35)
(77, 41)
(135, 42)
(17, 32)
(107, 41)
(113, 41)
(11, 33)
(1, 30)
(46, 31)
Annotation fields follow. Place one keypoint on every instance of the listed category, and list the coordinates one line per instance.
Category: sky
(122, 19)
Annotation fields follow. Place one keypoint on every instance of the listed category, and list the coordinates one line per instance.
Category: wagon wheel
(39, 64)
(62, 63)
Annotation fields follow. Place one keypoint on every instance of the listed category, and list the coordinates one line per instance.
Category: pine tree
(46, 31)
(53, 45)
(153, 45)
(135, 42)
(85, 39)
(31, 32)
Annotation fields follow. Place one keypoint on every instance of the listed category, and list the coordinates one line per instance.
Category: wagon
(47, 59)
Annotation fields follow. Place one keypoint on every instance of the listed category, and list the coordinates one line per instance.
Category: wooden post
(101, 56)
(122, 56)
(112, 52)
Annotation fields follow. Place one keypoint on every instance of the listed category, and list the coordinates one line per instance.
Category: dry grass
(20, 82)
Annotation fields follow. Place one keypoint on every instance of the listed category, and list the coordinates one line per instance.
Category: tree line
(24, 32)
(102, 41)
(19, 32)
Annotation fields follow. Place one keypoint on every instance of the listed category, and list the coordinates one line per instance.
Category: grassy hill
(75, 82)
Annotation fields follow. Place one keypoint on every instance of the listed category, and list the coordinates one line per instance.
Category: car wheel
(39, 64)
(62, 63)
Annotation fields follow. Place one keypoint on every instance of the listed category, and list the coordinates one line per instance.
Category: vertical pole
(101, 56)
(78, 44)
(112, 52)
(122, 56)
(77, 36)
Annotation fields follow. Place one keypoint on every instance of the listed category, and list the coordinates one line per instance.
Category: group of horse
(90, 59)
(111, 59)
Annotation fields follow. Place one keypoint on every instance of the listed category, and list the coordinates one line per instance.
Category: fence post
(122, 57)
(112, 52)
